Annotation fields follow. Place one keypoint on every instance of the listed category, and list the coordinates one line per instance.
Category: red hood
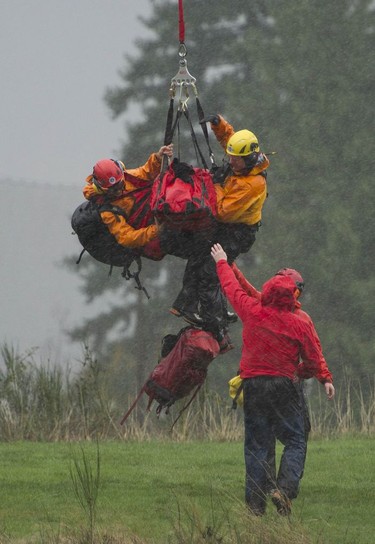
(278, 292)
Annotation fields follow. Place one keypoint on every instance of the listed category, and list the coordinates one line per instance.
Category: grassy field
(150, 488)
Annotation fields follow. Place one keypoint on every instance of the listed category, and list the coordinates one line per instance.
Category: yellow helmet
(242, 143)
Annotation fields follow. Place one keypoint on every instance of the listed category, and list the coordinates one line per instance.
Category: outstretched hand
(165, 150)
(330, 390)
(218, 253)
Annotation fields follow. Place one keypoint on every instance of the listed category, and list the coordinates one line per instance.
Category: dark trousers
(201, 291)
(272, 409)
(271, 456)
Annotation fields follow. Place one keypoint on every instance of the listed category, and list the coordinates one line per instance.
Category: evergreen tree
(315, 77)
(301, 76)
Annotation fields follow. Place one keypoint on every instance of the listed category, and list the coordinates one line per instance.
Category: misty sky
(57, 59)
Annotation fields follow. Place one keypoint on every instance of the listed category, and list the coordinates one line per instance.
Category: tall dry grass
(44, 402)
(352, 411)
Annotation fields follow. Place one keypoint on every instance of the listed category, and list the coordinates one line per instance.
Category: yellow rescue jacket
(241, 198)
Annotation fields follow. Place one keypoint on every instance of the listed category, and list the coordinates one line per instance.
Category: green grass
(145, 486)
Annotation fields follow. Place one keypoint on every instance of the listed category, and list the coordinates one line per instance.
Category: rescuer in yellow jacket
(111, 182)
(241, 195)
(241, 191)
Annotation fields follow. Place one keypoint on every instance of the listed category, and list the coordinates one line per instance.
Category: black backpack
(97, 240)
(95, 237)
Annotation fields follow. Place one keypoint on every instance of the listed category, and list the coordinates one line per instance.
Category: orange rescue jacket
(124, 233)
(241, 198)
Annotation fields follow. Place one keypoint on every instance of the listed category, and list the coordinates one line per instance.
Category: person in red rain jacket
(300, 286)
(253, 292)
(274, 341)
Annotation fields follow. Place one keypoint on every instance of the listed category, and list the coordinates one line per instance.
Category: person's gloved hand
(213, 119)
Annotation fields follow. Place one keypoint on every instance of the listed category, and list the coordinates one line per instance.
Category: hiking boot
(282, 503)
(256, 509)
(232, 317)
(256, 512)
(192, 318)
(189, 317)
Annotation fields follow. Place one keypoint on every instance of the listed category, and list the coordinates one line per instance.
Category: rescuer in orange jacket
(275, 340)
(241, 190)
(111, 182)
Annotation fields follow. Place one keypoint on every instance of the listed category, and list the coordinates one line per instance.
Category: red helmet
(107, 172)
(294, 275)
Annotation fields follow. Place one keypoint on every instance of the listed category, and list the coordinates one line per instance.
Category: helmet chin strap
(116, 189)
(251, 160)
(96, 186)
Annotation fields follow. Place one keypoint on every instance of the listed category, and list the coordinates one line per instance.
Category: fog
(58, 58)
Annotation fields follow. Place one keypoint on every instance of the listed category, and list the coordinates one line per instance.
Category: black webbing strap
(186, 406)
(169, 133)
(80, 256)
(204, 130)
(168, 136)
(194, 138)
(171, 127)
(127, 274)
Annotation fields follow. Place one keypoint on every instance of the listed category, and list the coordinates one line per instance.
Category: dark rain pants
(271, 456)
(201, 291)
(272, 409)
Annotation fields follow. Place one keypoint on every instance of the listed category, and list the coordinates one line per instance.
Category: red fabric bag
(184, 197)
(181, 371)
(184, 368)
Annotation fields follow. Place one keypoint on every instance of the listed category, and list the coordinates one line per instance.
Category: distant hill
(39, 298)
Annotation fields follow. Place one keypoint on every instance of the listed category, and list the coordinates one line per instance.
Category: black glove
(213, 119)
(220, 173)
(183, 171)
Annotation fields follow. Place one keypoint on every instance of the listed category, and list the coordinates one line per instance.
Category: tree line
(301, 77)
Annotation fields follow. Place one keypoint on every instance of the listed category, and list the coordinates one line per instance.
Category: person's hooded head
(279, 292)
(295, 276)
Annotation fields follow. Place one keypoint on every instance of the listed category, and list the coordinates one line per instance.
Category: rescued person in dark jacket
(274, 341)
(241, 191)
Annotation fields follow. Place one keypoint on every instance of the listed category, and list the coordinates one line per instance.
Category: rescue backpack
(184, 197)
(181, 371)
(97, 240)
(95, 237)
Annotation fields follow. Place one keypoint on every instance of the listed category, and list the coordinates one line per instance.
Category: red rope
(181, 24)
